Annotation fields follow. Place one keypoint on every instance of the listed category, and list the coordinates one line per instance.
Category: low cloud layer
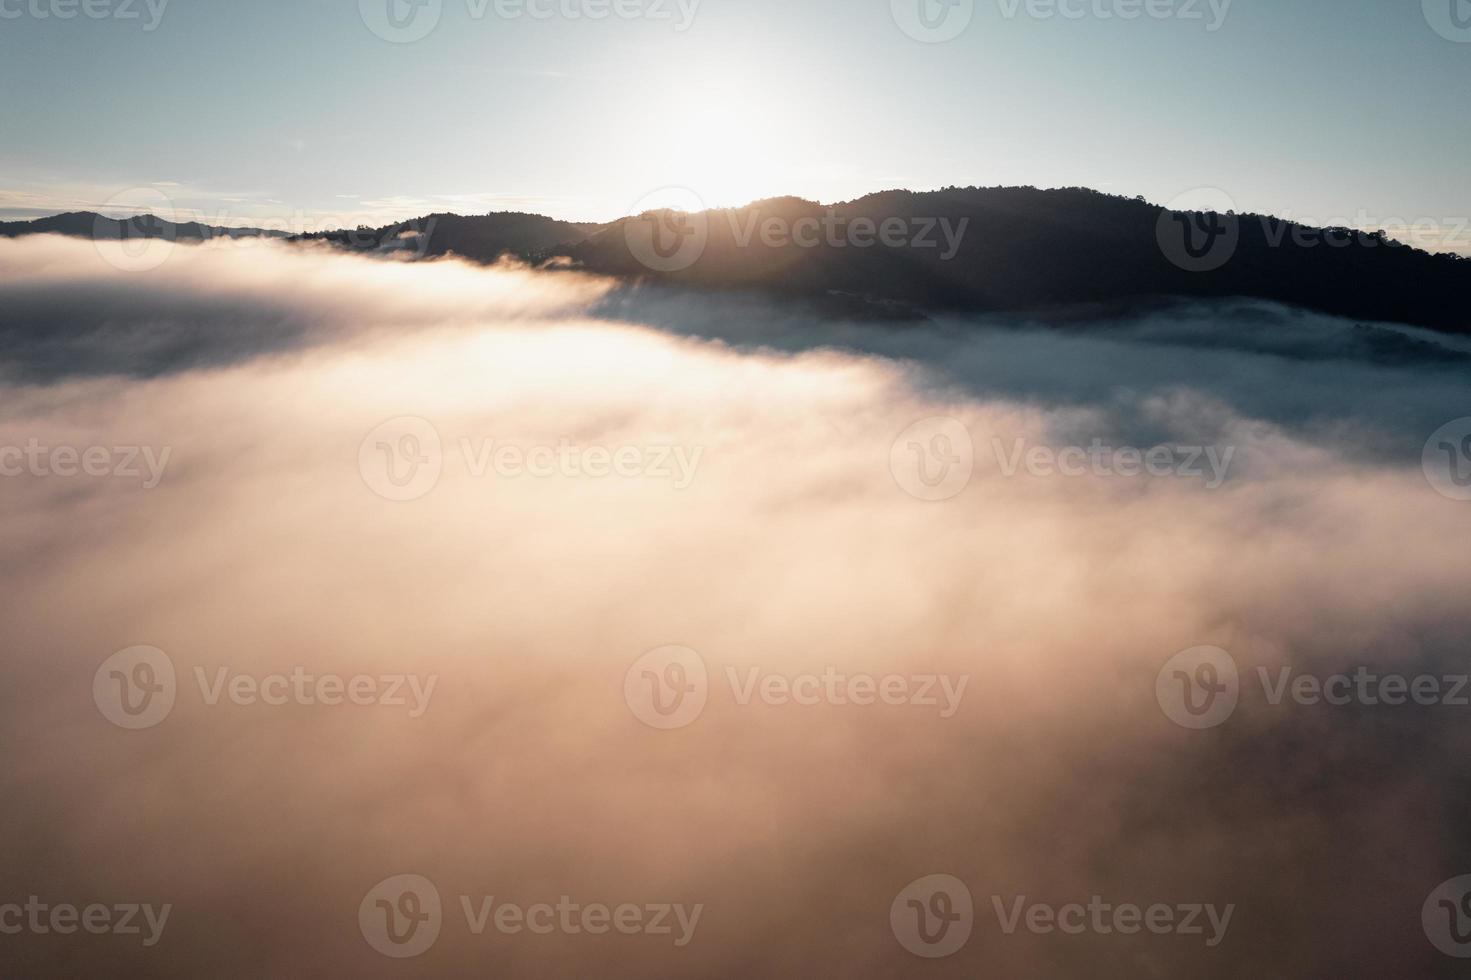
(546, 536)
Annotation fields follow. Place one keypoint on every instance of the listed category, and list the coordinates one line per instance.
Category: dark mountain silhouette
(961, 249)
(483, 238)
(89, 224)
(1025, 249)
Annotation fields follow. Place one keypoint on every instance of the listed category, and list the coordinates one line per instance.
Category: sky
(321, 113)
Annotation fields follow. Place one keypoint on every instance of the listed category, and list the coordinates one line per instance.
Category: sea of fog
(409, 549)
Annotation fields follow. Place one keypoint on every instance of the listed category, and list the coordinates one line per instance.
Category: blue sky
(1348, 110)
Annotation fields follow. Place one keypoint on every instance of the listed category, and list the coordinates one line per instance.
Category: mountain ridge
(953, 250)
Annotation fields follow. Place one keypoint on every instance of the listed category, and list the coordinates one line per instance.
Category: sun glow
(729, 146)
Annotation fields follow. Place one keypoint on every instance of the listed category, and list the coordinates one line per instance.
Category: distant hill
(89, 224)
(961, 249)
(1025, 249)
(483, 238)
